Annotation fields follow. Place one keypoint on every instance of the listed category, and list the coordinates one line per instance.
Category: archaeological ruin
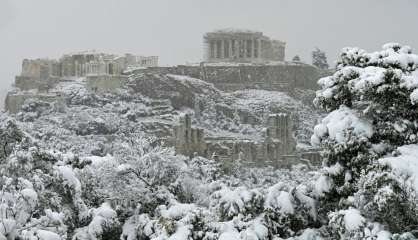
(234, 60)
(231, 45)
(276, 148)
(101, 72)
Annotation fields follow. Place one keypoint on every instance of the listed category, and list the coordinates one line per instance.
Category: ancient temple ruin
(277, 148)
(84, 64)
(230, 45)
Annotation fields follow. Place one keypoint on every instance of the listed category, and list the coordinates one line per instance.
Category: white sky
(173, 29)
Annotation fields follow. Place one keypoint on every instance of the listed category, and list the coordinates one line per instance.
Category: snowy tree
(319, 59)
(296, 58)
(372, 111)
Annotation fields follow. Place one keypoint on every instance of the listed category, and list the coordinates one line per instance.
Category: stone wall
(278, 148)
(188, 140)
(279, 77)
(14, 102)
(105, 83)
(26, 83)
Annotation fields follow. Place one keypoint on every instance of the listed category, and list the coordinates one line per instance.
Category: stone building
(83, 64)
(231, 45)
(277, 148)
(188, 140)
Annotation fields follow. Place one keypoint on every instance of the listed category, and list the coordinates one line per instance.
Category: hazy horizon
(173, 29)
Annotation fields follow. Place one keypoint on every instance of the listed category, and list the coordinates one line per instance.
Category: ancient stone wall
(105, 83)
(14, 102)
(279, 77)
(277, 149)
(188, 140)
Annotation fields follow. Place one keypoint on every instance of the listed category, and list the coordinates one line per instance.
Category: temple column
(215, 49)
(254, 50)
(230, 49)
(244, 42)
(222, 49)
(211, 49)
(236, 49)
(259, 48)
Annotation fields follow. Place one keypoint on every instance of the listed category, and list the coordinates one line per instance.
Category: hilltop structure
(231, 45)
(101, 72)
(84, 64)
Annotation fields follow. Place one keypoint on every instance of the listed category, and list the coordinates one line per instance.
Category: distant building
(231, 45)
(84, 64)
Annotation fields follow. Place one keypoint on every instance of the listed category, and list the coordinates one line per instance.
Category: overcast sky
(173, 29)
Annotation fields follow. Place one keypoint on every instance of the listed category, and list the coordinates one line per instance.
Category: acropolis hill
(235, 61)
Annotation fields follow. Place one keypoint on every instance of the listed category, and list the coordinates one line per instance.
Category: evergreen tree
(296, 58)
(371, 101)
(319, 59)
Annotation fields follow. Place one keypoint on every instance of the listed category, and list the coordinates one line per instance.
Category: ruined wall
(277, 149)
(280, 77)
(105, 83)
(188, 140)
(27, 83)
(14, 102)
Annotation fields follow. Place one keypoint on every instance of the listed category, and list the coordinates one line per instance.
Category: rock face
(280, 76)
(182, 91)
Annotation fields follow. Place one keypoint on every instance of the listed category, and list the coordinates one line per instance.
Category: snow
(97, 160)
(279, 200)
(406, 164)
(105, 211)
(414, 96)
(178, 210)
(69, 177)
(47, 235)
(369, 76)
(334, 169)
(323, 185)
(335, 125)
(228, 232)
(353, 219)
(309, 234)
(182, 233)
(103, 217)
(30, 195)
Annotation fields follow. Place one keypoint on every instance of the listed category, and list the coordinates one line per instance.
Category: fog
(173, 29)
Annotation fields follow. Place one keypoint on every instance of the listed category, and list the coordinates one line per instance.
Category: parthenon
(231, 45)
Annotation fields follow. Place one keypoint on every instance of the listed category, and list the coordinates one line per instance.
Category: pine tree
(372, 111)
(319, 59)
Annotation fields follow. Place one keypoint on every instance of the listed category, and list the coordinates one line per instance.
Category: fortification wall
(105, 83)
(279, 77)
(14, 102)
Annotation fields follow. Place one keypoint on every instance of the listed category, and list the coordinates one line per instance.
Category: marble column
(254, 46)
(259, 49)
(222, 49)
(230, 49)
